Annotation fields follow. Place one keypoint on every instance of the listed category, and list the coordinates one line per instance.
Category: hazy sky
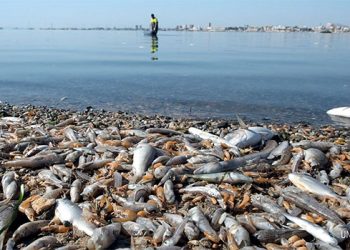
(122, 13)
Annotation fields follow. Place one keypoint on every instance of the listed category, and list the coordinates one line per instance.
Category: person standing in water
(154, 25)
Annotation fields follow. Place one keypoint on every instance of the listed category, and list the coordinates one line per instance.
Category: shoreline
(181, 115)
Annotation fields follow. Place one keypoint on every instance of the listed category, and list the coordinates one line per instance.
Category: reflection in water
(154, 48)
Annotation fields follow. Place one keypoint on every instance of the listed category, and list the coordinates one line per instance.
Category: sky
(128, 13)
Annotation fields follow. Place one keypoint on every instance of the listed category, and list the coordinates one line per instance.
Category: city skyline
(87, 13)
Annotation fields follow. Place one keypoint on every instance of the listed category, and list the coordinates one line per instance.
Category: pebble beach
(96, 179)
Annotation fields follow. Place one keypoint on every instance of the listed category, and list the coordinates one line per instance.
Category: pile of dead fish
(103, 180)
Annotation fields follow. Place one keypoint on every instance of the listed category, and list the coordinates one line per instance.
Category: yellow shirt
(154, 20)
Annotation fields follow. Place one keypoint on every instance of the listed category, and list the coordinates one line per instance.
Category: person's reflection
(154, 48)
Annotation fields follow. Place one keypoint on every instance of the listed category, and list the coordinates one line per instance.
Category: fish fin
(241, 122)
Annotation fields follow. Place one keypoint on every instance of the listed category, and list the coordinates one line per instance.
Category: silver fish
(240, 234)
(315, 157)
(191, 231)
(323, 146)
(209, 190)
(44, 242)
(49, 177)
(67, 211)
(203, 224)
(225, 177)
(266, 134)
(309, 203)
(336, 171)
(243, 138)
(144, 154)
(28, 229)
(70, 134)
(297, 159)
(215, 139)
(169, 192)
(177, 235)
(135, 229)
(313, 229)
(75, 191)
(311, 185)
(104, 237)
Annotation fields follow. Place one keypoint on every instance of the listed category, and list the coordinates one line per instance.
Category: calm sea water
(284, 77)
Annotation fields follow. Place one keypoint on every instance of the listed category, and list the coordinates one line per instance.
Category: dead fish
(278, 150)
(28, 229)
(323, 177)
(169, 192)
(92, 190)
(134, 206)
(144, 154)
(202, 223)
(202, 159)
(7, 213)
(11, 119)
(140, 193)
(36, 150)
(266, 134)
(209, 190)
(173, 219)
(313, 229)
(309, 203)
(320, 145)
(133, 132)
(243, 138)
(163, 131)
(178, 160)
(75, 191)
(118, 179)
(191, 231)
(96, 164)
(315, 157)
(238, 162)
(339, 231)
(9, 186)
(311, 185)
(215, 139)
(49, 177)
(268, 205)
(62, 171)
(69, 212)
(158, 234)
(104, 237)
(177, 235)
(283, 151)
(336, 171)
(70, 134)
(225, 177)
(35, 162)
(297, 159)
(135, 229)
(275, 235)
(258, 222)
(67, 122)
(159, 172)
(73, 156)
(161, 159)
(239, 233)
(324, 246)
(47, 242)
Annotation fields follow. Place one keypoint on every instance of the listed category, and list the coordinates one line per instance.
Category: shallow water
(283, 77)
